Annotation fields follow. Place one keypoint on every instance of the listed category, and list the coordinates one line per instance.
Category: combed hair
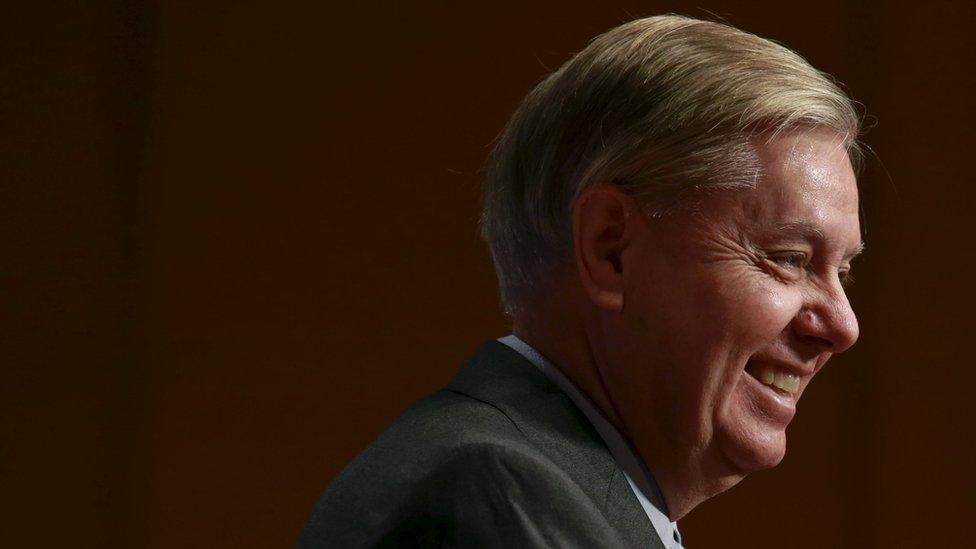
(658, 106)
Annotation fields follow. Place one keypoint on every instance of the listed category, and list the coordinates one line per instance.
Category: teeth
(785, 381)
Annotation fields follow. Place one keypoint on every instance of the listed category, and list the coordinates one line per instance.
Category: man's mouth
(781, 380)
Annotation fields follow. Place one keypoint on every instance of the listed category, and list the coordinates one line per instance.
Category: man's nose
(828, 320)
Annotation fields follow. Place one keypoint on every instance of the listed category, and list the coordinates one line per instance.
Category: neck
(559, 336)
(685, 481)
(558, 332)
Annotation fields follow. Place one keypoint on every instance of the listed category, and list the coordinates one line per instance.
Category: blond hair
(657, 106)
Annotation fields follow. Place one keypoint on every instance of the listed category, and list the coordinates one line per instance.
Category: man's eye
(793, 261)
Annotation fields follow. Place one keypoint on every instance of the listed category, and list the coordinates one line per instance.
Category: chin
(755, 453)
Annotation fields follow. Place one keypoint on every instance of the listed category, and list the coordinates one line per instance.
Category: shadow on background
(241, 238)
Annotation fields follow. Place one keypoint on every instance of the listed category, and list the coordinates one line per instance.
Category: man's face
(729, 311)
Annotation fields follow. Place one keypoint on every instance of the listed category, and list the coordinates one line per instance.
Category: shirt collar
(638, 476)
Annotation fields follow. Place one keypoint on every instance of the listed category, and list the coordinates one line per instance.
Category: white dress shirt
(639, 478)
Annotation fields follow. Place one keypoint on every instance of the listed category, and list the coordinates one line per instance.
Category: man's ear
(603, 225)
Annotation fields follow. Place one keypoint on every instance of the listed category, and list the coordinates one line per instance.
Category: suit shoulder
(449, 419)
(449, 466)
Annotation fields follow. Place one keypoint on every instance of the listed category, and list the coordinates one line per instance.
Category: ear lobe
(602, 226)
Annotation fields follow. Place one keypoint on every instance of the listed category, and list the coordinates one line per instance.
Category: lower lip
(779, 408)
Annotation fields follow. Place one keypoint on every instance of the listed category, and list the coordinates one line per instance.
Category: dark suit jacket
(499, 458)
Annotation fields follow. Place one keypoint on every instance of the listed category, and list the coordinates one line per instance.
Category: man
(672, 215)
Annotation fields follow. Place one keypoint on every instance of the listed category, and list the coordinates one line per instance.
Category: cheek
(773, 306)
(758, 312)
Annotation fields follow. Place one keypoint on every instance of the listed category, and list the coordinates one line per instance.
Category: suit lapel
(503, 378)
(628, 515)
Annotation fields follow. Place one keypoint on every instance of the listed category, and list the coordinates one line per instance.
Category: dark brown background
(239, 239)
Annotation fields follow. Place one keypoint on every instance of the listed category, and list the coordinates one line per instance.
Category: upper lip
(798, 369)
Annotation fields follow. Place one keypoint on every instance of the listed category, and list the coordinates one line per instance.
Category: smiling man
(672, 216)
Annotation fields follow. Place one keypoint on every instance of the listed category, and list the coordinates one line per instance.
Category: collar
(638, 476)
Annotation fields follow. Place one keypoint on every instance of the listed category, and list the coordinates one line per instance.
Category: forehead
(806, 182)
(812, 163)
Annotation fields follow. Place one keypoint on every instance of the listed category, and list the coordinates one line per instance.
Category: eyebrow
(810, 231)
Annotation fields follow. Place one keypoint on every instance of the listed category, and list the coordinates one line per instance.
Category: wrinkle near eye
(727, 246)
